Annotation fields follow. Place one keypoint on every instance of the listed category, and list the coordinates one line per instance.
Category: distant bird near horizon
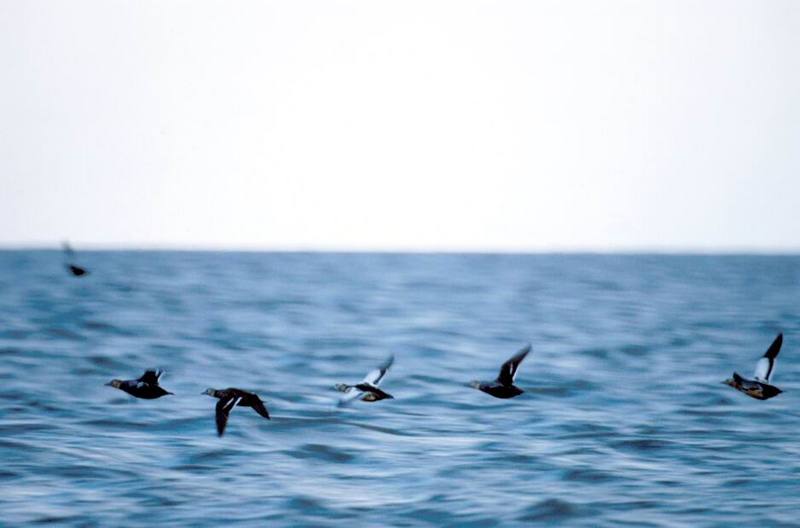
(760, 387)
(146, 386)
(230, 398)
(69, 256)
(368, 389)
(503, 386)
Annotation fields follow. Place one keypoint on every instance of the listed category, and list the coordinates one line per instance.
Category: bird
(760, 387)
(77, 270)
(230, 398)
(503, 386)
(73, 268)
(145, 387)
(368, 389)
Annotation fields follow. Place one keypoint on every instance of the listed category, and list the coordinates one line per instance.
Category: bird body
(753, 388)
(498, 390)
(146, 386)
(503, 387)
(760, 387)
(232, 397)
(76, 270)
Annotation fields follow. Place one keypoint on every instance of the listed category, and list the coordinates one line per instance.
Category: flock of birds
(148, 386)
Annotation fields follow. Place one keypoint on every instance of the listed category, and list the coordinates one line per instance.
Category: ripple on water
(323, 452)
(552, 510)
(587, 475)
(61, 333)
(643, 444)
(24, 428)
(205, 460)
(385, 430)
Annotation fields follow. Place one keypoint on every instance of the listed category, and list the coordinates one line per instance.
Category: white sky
(427, 125)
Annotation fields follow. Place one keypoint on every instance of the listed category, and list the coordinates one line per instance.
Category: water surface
(624, 421)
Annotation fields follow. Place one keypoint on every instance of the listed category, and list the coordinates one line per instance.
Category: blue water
(624, 421)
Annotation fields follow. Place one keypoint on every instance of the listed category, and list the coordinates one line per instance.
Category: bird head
(731, 381)
(209, 391)
(114, 383)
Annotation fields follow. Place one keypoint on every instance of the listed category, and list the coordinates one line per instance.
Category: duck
(146, 386)
(69, 256)
(230, 398)
(503, 387)
(77, 271)
(367, 390)
(760, 387)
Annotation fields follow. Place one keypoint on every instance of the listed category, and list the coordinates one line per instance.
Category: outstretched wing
(68, 253)
(151, 377)
(508, 370)
(375, 376)
(766, 365)
(224, 406)
(350, 394)
(259, 407)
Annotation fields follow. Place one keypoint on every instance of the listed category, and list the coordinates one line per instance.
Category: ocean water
(624, 421)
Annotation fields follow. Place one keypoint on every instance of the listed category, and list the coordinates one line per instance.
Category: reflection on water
(624, 420)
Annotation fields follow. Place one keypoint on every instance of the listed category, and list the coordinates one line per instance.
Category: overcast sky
(424, 125)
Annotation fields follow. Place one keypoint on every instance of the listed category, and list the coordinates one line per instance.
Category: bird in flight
(368, 389)
(146, 386)
(503, 386)
(69, 262)
(760, 387)
(230, 398)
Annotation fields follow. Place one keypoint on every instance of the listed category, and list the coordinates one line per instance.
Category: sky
(430, 125)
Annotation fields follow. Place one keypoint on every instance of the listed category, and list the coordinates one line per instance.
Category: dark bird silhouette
(145, 387)
(368, 389)
(76, 270)
(760, 387)
(230, 398)
(503, 386)
(69, 257)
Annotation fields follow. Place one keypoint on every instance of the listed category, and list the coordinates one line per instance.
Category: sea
(624, 420)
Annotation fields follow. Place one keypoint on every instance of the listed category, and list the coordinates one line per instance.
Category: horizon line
(488, 250)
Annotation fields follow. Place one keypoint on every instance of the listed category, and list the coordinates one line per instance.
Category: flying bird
(760, 387)
(146, 387)
(230, 398)
(503, 386)
(368, 389)
(69, 257)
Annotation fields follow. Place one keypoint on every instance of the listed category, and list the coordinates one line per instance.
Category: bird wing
(151, 376)
(375, 376)
(68, 253)
(766, 365)
(350, 394)
(508, 370)
(224, 406)
(259, 407)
